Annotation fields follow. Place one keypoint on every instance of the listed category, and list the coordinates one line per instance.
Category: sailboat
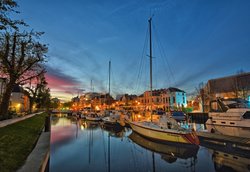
(113, 118)
(167, 129)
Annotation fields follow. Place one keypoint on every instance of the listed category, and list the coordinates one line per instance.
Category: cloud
(59, 82)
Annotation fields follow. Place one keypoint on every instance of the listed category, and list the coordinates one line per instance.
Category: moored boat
(229, 117)
(166, 129)
(93, 117)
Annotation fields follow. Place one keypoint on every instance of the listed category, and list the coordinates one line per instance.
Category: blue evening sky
(193, 41)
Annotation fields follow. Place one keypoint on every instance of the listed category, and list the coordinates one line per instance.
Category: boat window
(247, 115)
(214, 121)
(235, 157)
(232, 123)
(169, 125)
(223, 122)
(236, 103)
(214, 107)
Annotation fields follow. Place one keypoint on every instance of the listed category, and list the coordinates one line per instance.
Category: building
(98, 101)
(19, 102)
(235, 86)
(166, 99)
(174, 98)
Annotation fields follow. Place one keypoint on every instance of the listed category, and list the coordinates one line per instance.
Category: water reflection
(169, 152)
(229, 162)
(78, 145)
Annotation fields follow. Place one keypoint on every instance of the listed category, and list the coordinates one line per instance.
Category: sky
(193, 41)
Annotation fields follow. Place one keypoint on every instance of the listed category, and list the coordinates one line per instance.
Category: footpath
(38, 159)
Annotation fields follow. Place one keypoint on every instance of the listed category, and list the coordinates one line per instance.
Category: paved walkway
(14, 120)
(38, 158)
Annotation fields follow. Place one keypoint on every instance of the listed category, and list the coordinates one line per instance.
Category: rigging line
(164, 54)
(114, 83)
(158, 43)
(142, 61)
(164, 61)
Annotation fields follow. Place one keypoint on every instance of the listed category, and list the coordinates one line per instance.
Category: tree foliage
(22, 56)
(38, 92)
(7, 7)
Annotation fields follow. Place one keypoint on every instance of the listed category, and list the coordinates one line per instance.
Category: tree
(201, 95)
(21, 59)
(38, 92)
(43, 97)
(6, 7)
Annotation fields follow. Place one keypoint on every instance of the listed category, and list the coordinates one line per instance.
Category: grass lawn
(18, 140)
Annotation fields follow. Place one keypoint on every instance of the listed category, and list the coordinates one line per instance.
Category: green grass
(18, 140)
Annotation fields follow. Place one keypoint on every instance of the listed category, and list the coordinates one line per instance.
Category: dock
(238, 145)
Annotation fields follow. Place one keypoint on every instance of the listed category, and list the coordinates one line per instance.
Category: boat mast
(109, 85)
(150, 59)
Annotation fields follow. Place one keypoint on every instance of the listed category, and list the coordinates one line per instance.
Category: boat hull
(92, 119)
(164, 136)
(237, 131)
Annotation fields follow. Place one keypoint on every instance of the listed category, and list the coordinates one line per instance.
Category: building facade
(19, 102)
(165, 99)
(235, 86)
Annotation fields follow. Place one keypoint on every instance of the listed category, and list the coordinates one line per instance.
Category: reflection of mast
(153, 159)
(109, 153)
(90, 143)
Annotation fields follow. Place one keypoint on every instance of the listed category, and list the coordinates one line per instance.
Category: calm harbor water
(78, 145)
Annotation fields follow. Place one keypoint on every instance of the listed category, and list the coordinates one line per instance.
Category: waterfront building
(235, 86)
(165, 99)
(98, 101)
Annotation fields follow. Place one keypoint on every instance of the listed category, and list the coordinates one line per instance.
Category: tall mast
(109, 85)
(109, 75)
(150, 58)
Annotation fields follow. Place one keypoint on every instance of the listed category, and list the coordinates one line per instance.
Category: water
(78, 145)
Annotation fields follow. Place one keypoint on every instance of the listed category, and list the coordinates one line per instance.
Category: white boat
(166, 129)
(93, 117)
(112, 120)
(229, 117)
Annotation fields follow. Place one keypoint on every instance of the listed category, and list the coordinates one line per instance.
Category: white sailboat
(113, 118)
(166, 129)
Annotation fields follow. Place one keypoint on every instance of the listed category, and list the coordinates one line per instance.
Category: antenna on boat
(150, 59)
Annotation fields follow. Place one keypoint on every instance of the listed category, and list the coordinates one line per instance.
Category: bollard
(47, 124)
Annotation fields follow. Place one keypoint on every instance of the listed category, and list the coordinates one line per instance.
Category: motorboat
(229, 117)
(113, 119)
